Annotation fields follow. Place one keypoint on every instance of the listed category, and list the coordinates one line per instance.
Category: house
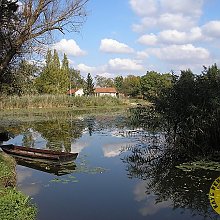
(106, 91)
(75, 92)
(98, 92)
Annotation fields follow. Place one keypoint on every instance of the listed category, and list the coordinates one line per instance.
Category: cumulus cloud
(182, 54)
(142, 55)
(119, 64)
(148, 39)
(180, 37)
(184, 7)
(113, 46)
(86, 69)
(144, 7)
(177, 14)
(145, 23)
(176, 21)
(212, 29)
(69, 47)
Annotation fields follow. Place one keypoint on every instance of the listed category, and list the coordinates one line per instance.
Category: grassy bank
(57, 101)
(13, 204)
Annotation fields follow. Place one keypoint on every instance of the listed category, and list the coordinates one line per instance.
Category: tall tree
(65, 74)
(27, 29)
(76, 79)
(131, 86)
(152, 83)
(54, 79)
(89, 86)
(118, 83)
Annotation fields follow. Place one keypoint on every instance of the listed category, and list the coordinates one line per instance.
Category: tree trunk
(6, 61)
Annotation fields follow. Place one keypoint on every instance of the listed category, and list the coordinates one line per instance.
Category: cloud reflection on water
(150, 207)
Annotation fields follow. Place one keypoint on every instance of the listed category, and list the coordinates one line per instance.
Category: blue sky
(135, 36)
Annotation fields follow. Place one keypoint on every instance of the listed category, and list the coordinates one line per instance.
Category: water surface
(115, 176)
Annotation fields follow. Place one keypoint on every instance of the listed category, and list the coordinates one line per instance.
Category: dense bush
(191, 108)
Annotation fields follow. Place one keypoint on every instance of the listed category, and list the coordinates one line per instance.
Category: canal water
(117, 174)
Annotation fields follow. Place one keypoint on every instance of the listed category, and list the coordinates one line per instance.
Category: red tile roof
(71, 91)
(105, 90)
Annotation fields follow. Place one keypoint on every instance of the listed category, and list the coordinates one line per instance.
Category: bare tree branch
(33, 21)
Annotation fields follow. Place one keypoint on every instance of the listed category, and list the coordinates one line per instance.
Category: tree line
(57, 77)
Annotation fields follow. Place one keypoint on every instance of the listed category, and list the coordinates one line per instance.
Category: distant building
(75, 92)
(98, 92)
(106, 91)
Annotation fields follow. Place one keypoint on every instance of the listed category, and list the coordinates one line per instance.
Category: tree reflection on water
(186, 190)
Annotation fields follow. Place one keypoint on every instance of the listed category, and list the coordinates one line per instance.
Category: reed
(56, 101)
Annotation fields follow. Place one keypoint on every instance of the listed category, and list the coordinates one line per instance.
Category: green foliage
(153, 83)
(118, 82)
(76, 79)
(20, 79)
(54, 79)
(56, 101)
(25, 76)
(13, 204)
(191, 108)
(89, 86)
(7, 174)
(131, 86)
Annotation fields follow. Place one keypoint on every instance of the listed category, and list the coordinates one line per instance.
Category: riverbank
(13, 204)
(58, 101)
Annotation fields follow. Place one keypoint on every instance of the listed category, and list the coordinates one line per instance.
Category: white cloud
(176, 21)
(148, 39)
(182, 54)
(107, 75)
(144, 24)
(190, 7)
(119, 64)
(86, 69)
(113, 46)
(144, 7)
(179, 37)
(176, 14)
(142, 55)
(113, 66)
(212, 29)
(69, 47)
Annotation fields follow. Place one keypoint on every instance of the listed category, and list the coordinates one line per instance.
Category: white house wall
(79, 92)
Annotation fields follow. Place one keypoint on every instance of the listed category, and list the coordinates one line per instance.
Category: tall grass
(56, 101)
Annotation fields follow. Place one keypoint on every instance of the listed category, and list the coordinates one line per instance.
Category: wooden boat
(32, 153)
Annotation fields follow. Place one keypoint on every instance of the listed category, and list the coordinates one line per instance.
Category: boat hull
(32, 153)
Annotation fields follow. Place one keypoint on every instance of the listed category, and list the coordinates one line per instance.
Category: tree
(131, 86)
(27, 29)
(76, 79)
(54, 79)
(21, 80)
(89, 86)
(105, 82)
(152, 83)
(25, 76)
(118, 82)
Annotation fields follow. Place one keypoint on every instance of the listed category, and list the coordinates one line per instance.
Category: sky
(122, 37)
